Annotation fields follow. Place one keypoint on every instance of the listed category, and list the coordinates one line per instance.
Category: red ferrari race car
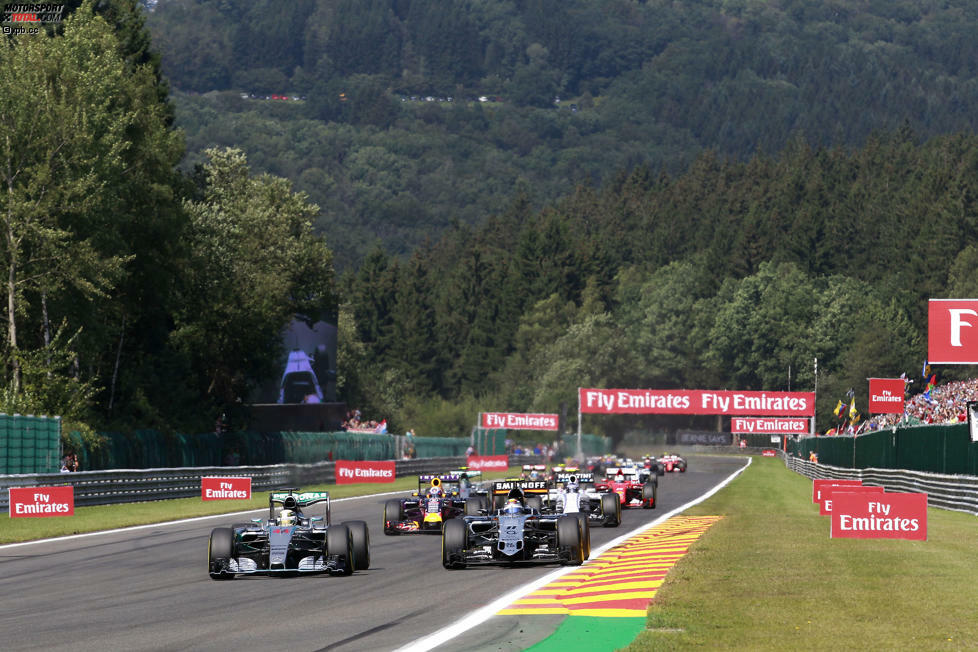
(631, 491)
(672, 463)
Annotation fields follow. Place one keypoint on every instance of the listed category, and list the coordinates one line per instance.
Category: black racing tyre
(649, 492)
(339, 541)
(220, 548)
(361, 544)
(453, 543)
(392, 512)
(535, 503)
(611, 509)
(569, 540)
(585, 534)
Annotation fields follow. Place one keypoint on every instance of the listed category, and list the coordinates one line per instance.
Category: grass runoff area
(110, 517)
(768, 577)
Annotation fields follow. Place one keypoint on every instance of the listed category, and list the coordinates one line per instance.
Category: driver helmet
(534, 475)
(573, 486)
(286, 517)
(512, 506)
(434, 491)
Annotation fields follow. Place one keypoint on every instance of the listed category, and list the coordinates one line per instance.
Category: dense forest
(738, 189)
(376, 143)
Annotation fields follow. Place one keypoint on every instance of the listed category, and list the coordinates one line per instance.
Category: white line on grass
(181, 521)
(483, 614)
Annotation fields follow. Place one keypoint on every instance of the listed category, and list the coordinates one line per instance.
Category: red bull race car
(290, 542)
(631, 490)
(439, 498)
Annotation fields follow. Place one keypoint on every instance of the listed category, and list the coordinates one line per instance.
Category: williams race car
(574, 493)
(437, 500)
(289, 543)
(514, 534)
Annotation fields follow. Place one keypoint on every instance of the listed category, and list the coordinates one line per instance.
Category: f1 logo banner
(879, 516)
(696, 401)
(886, 395)
(348, 472)
(225, 488)
(26, 502)
(952, 331)
(515, 421)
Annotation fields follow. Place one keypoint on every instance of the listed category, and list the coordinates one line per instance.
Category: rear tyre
(453, 542)
(611, 508)
(220, 548)
(585, 534)
(339, 541)
(569, 540)
(393, 514)
(361, 544)
(649, 492)
(535, 503)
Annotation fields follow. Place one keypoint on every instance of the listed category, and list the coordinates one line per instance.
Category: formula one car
(673, 463)
(574, 493)
(532, 492)
(436, 501)
(514, 534)
(632, 492)
(289, 543)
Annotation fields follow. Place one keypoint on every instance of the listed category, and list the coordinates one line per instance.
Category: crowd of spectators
(943, 404)
(354, 422)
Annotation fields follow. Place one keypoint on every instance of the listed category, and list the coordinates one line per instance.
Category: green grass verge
(768, 577)
(110, 517)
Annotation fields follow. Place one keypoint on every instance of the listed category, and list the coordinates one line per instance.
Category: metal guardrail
(130, 486)
(955, 492)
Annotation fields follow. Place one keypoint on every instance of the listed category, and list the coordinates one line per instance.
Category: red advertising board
(827, 505)
(36, 502)
(696, 401)
(487, 462)
(822, 483)
(518, 421)
(768, 425)
(225, 488)
(886, 516)
(348, 472)
(952, 331)
(886, 395)
(767, 452)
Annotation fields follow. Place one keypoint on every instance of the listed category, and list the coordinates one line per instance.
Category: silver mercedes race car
(513, 534)
(289, 543)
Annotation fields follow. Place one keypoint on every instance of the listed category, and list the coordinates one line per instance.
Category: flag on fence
(853, 414)
(381, 428)
(838, 409)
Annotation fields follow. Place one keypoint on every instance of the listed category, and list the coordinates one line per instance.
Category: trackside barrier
(955, 492)
(129, 486)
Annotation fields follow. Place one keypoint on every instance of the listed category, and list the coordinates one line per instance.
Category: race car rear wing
(528, 487)
(583, 478)
(289, 499)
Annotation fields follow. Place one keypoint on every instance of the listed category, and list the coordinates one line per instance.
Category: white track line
(181, 521)
(483, 614)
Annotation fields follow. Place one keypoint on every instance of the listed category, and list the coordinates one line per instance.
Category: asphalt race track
(148, 589)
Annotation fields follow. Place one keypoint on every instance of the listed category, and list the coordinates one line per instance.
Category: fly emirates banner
(696, 401)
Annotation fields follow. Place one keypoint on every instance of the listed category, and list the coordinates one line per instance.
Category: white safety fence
(954, 492)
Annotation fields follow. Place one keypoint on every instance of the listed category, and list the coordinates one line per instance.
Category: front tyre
(339, 542)
(393, 513)
(569, 541)
(361, 544)
(585, 534)
(220, 549)
(453, 543)
(649, 492)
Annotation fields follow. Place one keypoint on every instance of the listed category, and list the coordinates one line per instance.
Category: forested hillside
(393, 144)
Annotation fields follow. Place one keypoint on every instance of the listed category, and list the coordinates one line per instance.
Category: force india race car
(437, 500)
(515, 534)
(673, 463)
(574, 493)
(632, 492)
(289, 543)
